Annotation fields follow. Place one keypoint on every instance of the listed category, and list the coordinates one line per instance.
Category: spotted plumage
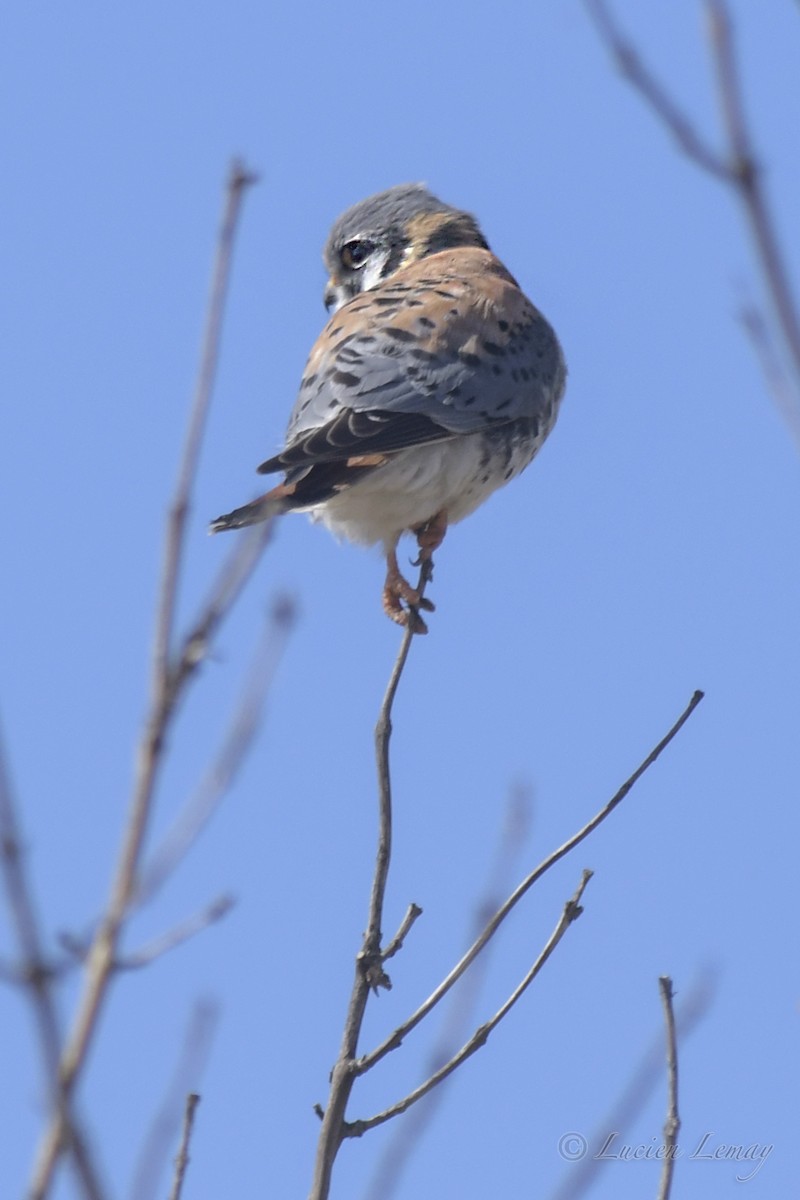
(434, 383)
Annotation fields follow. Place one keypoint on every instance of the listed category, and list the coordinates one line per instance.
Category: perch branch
(369, 974)
(386, 1181)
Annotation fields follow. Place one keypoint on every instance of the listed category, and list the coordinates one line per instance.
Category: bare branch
(572, 910)
(645, 1078)
(236, 743)
(780, 386)
(35, 972)
(189, 928)
(369, 961)
(166, 683)
(235, 573)
(672, 1123)
(414, 911)
(36, 975)
(165, 1126)
(748, 179)
(736, 166)
(238, 180)
(631, 67)
(383, 733)
(386, 1180)
(394, 1040)
(182, 1160)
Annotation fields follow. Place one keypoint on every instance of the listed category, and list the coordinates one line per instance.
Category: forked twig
(370, 972)
(167, 683)
(736, 165)
(572, 910)
(748, 178)
(386, 1181)
(36, 975)
(632, 68)
(393, 1041)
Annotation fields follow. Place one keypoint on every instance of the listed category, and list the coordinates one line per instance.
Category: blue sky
(650, 550)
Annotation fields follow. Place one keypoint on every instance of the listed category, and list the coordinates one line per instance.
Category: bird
(434, 383)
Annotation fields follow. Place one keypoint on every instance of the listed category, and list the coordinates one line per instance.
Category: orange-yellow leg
(397, 591)
(430, 537)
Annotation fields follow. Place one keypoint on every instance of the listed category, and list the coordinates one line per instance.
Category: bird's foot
(429, 538)
(402, 602)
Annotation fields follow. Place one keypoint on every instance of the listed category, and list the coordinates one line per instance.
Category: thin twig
(368, 1061)
(748, 179)
(414, 911)
(165, 1127)
(631, 67)
(235, 572)
(647, 1075)
(572, 910)
(407, 1135)
(737, 166)
(176, 936)
(103, 953)
(236, 742)
(182, 1160)
(238, 180)
(369, 974)
(36, 975)
(672, 1123)
(787, 400)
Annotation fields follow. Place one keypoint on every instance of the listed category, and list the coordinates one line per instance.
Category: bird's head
(386, 232)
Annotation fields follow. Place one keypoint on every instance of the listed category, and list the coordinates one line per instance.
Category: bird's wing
(447, 346)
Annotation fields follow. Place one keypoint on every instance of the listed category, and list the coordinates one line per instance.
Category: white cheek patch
(372, 274)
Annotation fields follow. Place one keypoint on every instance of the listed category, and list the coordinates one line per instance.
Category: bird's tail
(251, 514)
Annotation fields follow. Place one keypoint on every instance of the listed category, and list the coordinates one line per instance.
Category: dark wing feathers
(448, 345)
(356, 433)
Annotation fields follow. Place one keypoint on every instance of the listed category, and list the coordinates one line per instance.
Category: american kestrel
(434, 383)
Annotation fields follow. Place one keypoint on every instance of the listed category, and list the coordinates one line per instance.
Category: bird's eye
(355, 254)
